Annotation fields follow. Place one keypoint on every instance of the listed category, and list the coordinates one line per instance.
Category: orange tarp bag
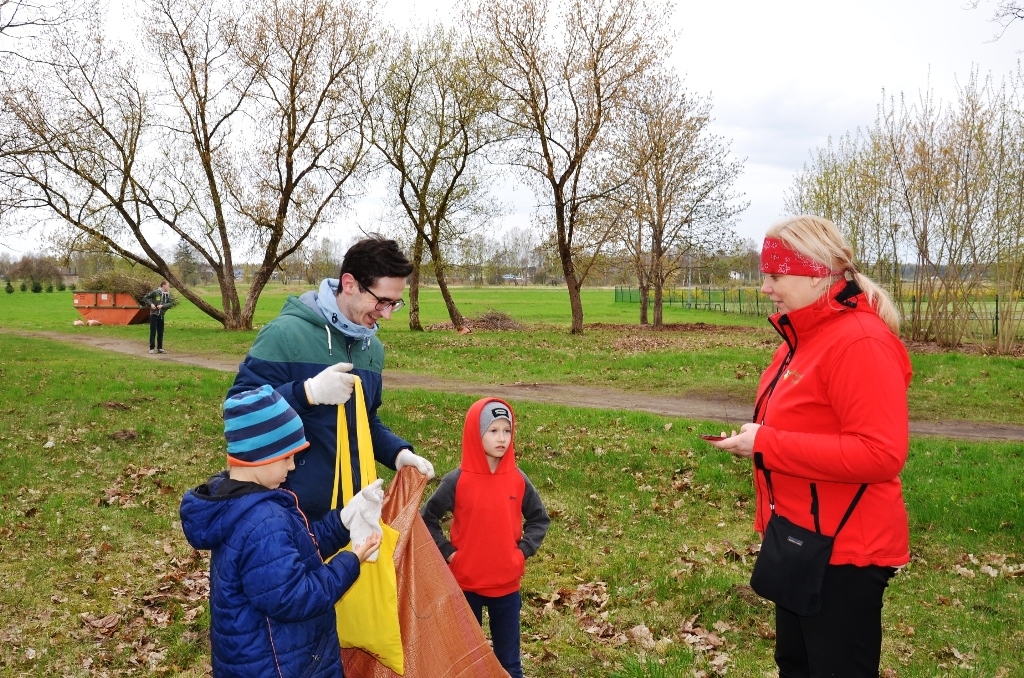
(440, 635)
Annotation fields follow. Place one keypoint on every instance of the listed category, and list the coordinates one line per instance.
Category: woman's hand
(741, 444)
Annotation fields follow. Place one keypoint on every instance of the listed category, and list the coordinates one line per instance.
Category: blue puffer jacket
(271, 595)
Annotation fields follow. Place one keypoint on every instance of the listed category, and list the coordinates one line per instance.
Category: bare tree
(433, 114)
(937, 185)
(564, 78)
(1005, 13)
(246, 145)
(21, 19)
(679, 176)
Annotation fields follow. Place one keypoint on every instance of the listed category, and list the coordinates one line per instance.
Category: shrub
(37, 287)
(71, 287)
(10, 288)
(49, 287)
(120, 283)
(61, 286)
(24, 287)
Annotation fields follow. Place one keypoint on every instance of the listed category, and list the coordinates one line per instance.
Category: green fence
(984, 311)
(747, 301)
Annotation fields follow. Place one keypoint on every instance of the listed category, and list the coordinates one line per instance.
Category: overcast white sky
(786, 75)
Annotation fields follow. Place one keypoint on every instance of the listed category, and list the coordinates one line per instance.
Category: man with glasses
(311, 351)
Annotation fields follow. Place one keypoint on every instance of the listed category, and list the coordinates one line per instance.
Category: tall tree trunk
(644, 289)
(658, 274)
(659, 289)
(568, 268)
(453, 312)
(575, 303)
(414, 284)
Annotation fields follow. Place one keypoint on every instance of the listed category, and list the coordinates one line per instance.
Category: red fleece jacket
(837, 418)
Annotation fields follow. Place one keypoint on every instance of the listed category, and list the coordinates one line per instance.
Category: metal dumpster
(110, 308)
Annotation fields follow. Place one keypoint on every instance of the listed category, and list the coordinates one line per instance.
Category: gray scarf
(328, 304)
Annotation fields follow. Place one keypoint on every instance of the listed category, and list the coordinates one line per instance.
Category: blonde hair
(820, 239)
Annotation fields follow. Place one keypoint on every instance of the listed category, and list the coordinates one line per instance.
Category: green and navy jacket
(297, 345)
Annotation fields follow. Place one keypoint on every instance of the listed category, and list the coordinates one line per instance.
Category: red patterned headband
(777, 258)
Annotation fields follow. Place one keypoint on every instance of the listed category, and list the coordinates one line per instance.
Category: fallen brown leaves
(124, 434)
(103, 627)
(128, 488)
(588, 603)
(707, 642)
(991, 565)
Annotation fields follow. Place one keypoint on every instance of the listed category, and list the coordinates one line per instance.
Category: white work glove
(407, 458)
(333, 386)
(361, 515)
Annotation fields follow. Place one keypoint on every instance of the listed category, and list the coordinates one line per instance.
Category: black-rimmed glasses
(383, 304)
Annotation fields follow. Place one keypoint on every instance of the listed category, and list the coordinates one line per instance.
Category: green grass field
(720, 355)
(651, 530)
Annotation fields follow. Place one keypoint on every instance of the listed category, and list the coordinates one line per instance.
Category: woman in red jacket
(830, 418)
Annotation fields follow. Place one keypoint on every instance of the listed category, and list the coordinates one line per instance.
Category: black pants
(504, 614)
(156, 331)
(845, 638)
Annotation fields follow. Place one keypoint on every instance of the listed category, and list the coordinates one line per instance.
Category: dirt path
(726, 410)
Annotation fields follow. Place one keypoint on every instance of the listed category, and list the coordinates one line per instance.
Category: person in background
(498, 521)
(831, 416)
(310, 355)
(272, 595)
(159, 300)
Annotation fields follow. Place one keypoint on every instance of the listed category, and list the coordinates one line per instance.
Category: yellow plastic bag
(368, 612)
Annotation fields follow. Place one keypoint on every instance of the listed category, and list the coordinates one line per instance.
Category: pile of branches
(119, 283)
(490, 321)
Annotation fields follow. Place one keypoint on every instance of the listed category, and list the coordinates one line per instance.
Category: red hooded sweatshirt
(487, 514)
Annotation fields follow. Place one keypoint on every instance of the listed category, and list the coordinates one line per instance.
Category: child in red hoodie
(498, 521)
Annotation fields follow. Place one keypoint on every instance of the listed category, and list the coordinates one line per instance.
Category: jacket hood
(474, 460)
(210, 511)
(304, 307)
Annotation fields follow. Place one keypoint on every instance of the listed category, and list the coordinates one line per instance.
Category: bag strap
(759, 464)
(343, 476)
(846, 516)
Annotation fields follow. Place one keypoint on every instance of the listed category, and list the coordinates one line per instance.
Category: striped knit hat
(261, 428)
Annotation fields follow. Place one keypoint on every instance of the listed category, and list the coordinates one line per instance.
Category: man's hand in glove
(333, 386)
(407, 458)
(361, 515)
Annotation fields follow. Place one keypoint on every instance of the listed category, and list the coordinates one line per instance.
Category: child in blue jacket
(272, 596)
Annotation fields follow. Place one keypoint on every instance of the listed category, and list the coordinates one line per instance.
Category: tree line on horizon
(243, 135)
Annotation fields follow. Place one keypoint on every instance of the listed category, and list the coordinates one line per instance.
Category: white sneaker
(160, 350)
(152, 350)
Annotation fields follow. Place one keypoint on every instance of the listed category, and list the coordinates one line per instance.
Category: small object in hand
(713, 438)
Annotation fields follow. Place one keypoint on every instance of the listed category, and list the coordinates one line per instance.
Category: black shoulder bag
(790, 567)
